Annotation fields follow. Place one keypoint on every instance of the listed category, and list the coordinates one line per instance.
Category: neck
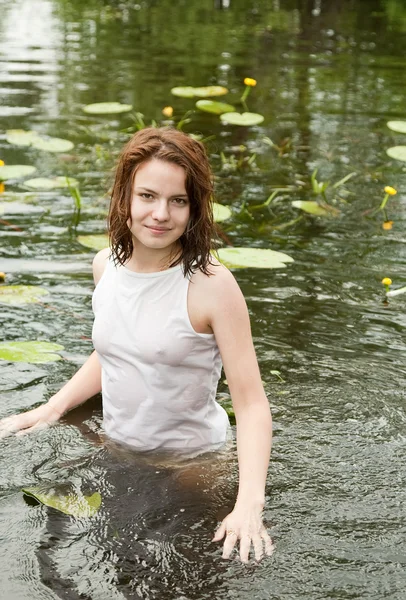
(147, 260)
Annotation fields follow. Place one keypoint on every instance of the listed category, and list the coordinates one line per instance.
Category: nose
(161, 211)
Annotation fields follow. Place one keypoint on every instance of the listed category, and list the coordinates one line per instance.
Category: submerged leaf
(15, 171)
(96, 242)
(73, 503)
(106, 108)
(398, 126)
(21, 294)
(30, 352)
(397, 152)
(257, 258)
(45, 183)
(216, 108)
(221, 212)
(244, 119)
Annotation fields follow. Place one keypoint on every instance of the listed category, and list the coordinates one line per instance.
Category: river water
(330, 75)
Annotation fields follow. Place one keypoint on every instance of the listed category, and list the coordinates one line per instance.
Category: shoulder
(219, 289)
(99, 264)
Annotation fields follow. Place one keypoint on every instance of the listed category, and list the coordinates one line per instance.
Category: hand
(33, 420)
(244, 523)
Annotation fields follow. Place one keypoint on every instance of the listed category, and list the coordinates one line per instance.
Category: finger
(269, 547)
(220, 532)
(229, 544)
(258, 546)
(245, 545)
(37, 427)
(7, 427)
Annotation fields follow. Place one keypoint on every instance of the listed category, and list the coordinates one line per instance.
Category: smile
(158, 229)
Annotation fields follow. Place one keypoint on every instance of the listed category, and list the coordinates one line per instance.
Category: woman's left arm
(230, 322)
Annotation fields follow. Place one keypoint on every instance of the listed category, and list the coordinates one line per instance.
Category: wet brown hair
(171, 145)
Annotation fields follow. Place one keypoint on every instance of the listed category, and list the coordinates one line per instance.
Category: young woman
(167, 315)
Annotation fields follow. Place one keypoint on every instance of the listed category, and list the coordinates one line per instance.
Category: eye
(180, 201)
(146, 195)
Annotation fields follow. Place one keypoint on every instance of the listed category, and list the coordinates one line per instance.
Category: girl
(167, 315)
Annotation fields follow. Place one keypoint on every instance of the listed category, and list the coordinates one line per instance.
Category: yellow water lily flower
(251, 82)
(387, 225)
(387, 281)
(390, 190)
(167, 111)
(2, 188)
(1, 163)
(2, 276)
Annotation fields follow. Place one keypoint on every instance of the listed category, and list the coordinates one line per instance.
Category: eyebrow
(153, 192)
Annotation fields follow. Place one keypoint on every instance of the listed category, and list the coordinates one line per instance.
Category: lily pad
(96, 242)
(15, 171)
(396, 292)
(106, 108)
(397, 152)
(74, 504)
(30, 352)
(257, 258)
(398, 126)
(245, 119)
(221, 212)
(213, 107)
(45, 183)
(189, 91)
(311, 207)
(21, 294)
(20, 137)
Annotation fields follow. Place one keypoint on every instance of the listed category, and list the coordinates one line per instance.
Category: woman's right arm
(82, 386)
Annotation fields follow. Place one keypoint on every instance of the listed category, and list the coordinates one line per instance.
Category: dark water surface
(330, 74)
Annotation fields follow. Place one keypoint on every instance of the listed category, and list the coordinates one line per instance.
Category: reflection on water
(329, 77)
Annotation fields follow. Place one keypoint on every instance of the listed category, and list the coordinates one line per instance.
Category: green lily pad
(398, 126)
(95, 242)
(221, 212)
(20, 137)
(107, 108)
(257, 258)
(244, 119)
(213, 107)
(45, 183)
(200, 92)
(21, 294)
(311, 207)
(397, 152)
(30, 352)
(15, 171)
(74, 504)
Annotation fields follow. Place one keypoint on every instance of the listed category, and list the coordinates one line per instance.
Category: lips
(158, 229)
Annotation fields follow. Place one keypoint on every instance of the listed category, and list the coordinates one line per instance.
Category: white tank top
(159, 376)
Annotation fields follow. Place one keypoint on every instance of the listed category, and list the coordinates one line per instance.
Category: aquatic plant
(249, 83)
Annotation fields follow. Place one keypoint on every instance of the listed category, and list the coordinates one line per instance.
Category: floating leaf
(107, 108)
(244, 119)
(312, 208)
(259, 258)
(216, 108)
(30, 352)
(15, 171)
(398, 126)
(221, 212)
(73, 503)
(201, 92)
(20, 137)
(96, 242)
(397, 152)
(45, 183)
(396, 292)
(21, 294)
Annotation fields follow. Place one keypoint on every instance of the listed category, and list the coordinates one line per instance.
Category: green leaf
(221, 212)
(45, 183)
(398, 126)
(106, 108)
(189, 91)
(30, 352)
(20, 137)
(397, 152)
(244, 119)
(311, 207)
(257, 258)
(15, 171)
(96, 242)
(74, 504)
(215, 108)
(21, 294)
(396, 292)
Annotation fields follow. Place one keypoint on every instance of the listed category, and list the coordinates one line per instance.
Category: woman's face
(160, 207)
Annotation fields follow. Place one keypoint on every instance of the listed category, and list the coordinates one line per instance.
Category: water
(329, 77)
